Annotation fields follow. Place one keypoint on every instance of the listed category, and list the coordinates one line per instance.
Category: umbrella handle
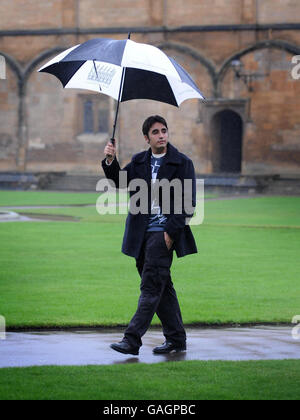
(113, 142)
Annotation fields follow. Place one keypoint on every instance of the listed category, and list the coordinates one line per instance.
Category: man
(151, 238)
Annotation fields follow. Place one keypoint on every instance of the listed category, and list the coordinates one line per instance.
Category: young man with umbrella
(151, 238)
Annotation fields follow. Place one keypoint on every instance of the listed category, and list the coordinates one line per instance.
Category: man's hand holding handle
(110, 151)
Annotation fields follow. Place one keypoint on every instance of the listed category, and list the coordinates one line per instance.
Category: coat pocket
(164, 242)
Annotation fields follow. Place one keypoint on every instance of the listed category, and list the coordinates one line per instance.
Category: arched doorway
(227, 135)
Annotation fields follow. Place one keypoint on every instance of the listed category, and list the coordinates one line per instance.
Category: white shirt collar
(158, 156)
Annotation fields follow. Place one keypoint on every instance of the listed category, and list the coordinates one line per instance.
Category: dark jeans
(157, 293)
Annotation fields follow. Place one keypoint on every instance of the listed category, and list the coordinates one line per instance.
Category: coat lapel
(143, 166)
(170, 164)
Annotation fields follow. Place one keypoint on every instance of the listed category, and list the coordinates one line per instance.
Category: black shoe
(125, 348)
(167, 347)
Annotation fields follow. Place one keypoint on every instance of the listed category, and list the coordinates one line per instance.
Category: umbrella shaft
(118, 105)
(119, 99)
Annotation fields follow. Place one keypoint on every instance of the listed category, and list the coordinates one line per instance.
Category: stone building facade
(239, 52)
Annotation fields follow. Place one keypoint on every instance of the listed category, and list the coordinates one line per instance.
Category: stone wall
(42, 125)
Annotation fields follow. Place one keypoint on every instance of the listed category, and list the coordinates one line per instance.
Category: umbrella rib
(97, 75)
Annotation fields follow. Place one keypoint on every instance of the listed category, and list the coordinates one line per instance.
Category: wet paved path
(92, 346)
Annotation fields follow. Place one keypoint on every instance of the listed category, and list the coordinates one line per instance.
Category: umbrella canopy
(124, 70)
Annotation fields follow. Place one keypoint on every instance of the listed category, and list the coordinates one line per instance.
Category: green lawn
(253, 212)
(190, 380)
(44, 198)
(73, 273)
(48, 198)
(59, 274)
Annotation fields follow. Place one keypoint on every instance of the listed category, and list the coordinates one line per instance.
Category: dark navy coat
(175, 165)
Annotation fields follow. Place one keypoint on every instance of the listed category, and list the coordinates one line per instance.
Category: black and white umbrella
(124, 70)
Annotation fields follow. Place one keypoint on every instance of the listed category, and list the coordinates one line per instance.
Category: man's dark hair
(152, 120)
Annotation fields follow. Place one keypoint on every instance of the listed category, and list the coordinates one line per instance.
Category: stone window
(88, 117)
(94, 116)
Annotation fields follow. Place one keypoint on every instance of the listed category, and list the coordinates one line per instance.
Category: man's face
(158, 138)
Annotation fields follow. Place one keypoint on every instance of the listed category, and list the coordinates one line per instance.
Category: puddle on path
(86, 347)
(11, 216)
